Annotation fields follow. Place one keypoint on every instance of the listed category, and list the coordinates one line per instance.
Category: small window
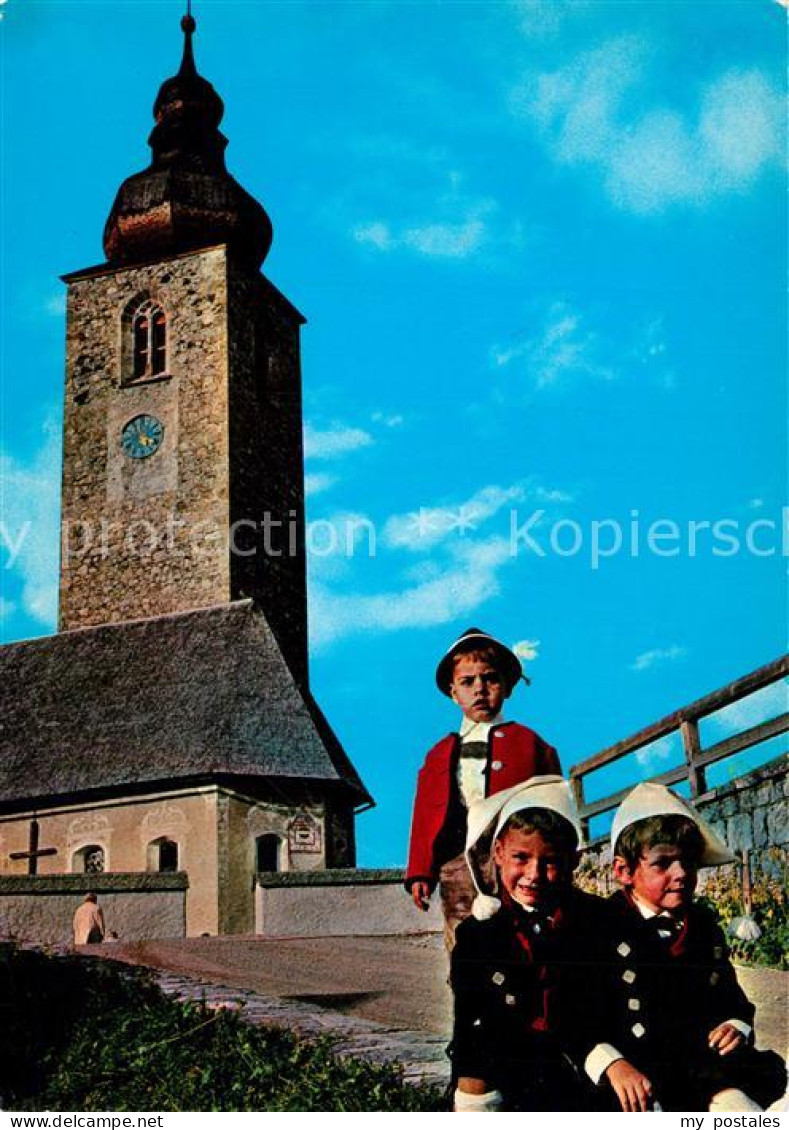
(162, 855)
(89, 860)
(268, 851)
(168, 856)
(149, 341)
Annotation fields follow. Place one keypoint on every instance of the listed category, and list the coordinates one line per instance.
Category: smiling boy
(678, 1027)
(484, 756)
(519, 965)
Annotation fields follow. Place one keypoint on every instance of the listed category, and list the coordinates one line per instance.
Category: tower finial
(188, 26)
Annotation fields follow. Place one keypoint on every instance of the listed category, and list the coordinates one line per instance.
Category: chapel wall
(124, 832)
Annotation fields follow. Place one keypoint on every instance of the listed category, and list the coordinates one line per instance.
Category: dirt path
(395, 981)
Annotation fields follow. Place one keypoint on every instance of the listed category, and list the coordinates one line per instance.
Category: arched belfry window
(148, 331)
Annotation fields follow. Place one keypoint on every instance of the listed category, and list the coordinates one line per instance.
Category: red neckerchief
(547, 977)
(677, 946)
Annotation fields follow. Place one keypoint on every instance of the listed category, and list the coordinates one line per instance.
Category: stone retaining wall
(752, 812)
(136, 906)
(339, 903)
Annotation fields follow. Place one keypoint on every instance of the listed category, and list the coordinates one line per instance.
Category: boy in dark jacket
(675, 1029)
(518, 966)
(485, 756)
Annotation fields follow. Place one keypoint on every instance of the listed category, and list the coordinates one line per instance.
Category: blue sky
(541, 250)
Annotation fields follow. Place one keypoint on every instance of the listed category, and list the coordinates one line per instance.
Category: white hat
(650, 799)
(487, 817)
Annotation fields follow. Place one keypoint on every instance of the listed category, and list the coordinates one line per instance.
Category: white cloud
(56, 305)
(469, 579)
(653, 755)
(318, 482)
(30, 523)
(658, 655)
(758, 707)
(544, 494)
(540, 19)
(439, 220)
(388, 421)
(755, 503)
(334, 441)
(444, 239)
(447, 241)
(422, 529)
(591, 112)
(7, 608)
(561, 349)
(377, 234)
(457, 574)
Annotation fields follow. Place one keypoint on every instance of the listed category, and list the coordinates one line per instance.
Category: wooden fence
(686, 721)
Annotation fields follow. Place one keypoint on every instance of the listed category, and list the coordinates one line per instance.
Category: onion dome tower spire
(185, 199)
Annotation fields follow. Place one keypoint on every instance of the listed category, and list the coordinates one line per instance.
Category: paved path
(385, 998)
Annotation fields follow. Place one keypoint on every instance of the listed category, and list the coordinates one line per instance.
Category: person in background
(89, 928)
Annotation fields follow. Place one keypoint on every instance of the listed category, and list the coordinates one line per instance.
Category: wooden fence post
(577, 785)
(692, 747)
(747, 897)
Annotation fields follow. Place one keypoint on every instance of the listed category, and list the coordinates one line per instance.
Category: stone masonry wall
(266, 459)
(139, 531)
(752, 812)
(749, 813)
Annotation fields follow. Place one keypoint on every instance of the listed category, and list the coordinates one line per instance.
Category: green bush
(81, 1035)
(769, 908)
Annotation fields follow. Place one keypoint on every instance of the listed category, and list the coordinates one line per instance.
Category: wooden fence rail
(686, 722)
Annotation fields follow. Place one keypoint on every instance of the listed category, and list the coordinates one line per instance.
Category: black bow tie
(664, 927)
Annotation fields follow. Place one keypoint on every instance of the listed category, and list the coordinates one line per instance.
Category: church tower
(183, 466)
(164, 747)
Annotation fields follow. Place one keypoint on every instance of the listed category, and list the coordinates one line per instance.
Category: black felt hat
(472, 639)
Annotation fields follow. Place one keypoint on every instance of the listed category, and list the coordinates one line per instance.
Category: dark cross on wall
(34, 852)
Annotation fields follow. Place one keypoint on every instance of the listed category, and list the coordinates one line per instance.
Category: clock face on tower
(142, 436)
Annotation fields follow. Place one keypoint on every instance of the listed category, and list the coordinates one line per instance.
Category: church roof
(189, 696)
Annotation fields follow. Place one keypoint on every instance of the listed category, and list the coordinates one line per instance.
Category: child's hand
(420, 893)
(633, 1089)
(726, 1038)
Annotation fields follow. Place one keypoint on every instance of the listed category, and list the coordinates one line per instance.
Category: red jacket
(515, 753)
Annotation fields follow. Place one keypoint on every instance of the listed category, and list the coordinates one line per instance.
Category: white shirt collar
(478, 731)
(647, 911)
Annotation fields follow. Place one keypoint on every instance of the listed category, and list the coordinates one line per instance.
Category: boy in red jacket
(486, 754)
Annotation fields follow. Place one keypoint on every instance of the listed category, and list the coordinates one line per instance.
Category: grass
(78, 1034)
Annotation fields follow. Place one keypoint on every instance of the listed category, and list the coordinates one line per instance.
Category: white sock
(732, 1099)
(466, 1103)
